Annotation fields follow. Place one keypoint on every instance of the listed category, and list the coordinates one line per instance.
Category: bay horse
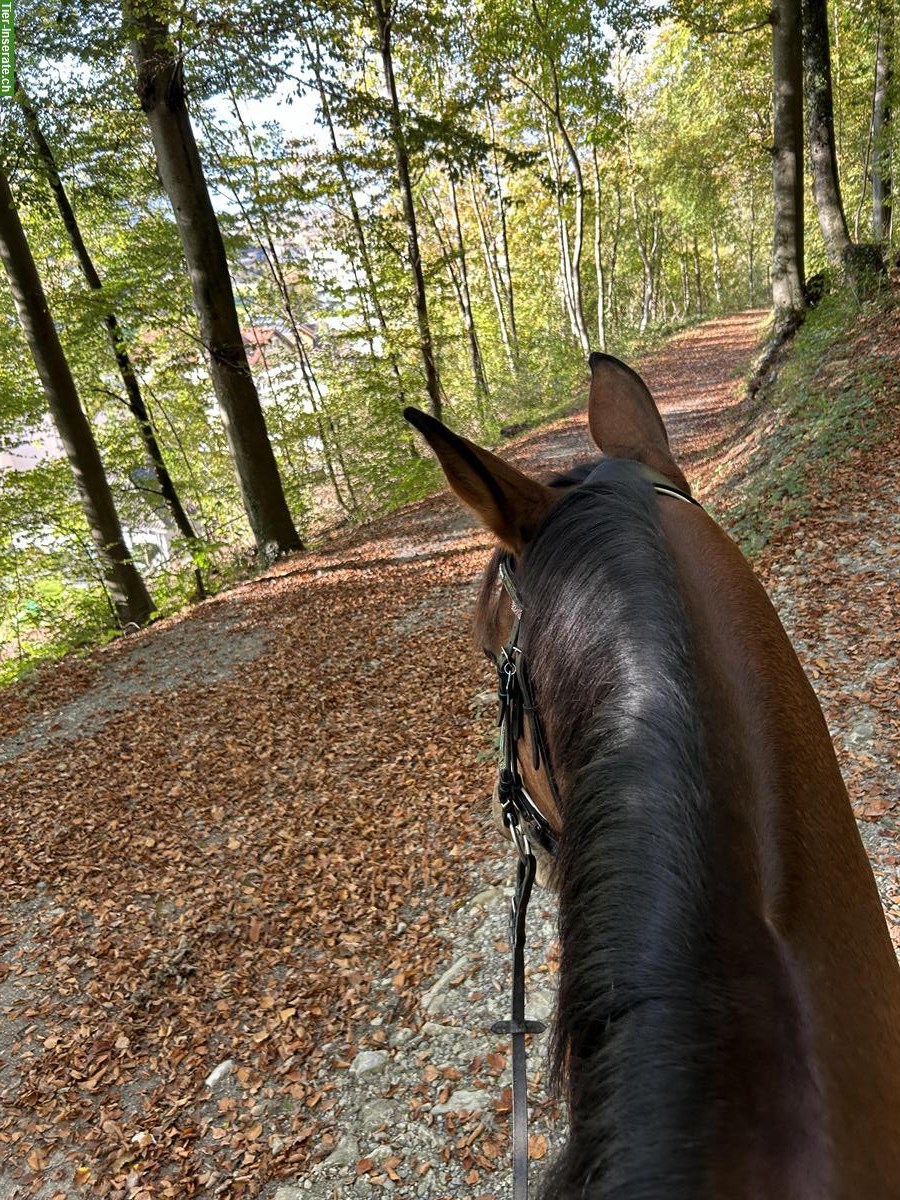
(728, 1016)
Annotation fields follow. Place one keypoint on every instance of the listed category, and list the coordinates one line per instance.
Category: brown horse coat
(800, 1095)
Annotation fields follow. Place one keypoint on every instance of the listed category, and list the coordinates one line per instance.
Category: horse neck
(771, 765)
(801, 928)
(613, 680)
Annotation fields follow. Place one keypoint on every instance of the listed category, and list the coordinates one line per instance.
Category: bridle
(528, 827)
(526, 823)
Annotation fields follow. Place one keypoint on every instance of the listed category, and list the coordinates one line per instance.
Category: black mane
(608, 651)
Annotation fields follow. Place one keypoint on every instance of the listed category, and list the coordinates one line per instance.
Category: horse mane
(608, 650)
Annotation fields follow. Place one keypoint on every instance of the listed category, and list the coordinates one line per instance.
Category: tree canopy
(416, 203)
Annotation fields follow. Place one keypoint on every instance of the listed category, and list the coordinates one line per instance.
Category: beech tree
(129, 594)
(160, 86)
(127, 373)
(882, 188)
(820, 131)
(384, 14)
(787, 165)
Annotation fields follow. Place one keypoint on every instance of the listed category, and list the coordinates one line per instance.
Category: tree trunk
(492, 277)
(656, 251)
(820, 131)
(455, 262)
(698, 277)
(575, 261)
(562, 230)
(613, 259)
(685, 284)
(751, 250)
(881, 128)
(504, 242)
(160, 87)
(787, 166)
(129, 593)
(717, 270)
(356, 220)
(598, 255)
(646, 262)
(384, 23)
(478, 372)
(134, 396)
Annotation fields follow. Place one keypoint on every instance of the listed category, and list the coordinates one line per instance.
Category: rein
(528, 827)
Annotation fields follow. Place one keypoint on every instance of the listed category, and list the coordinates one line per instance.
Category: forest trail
(254, 907)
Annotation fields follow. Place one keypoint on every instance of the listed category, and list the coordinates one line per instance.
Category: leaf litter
(243, 847)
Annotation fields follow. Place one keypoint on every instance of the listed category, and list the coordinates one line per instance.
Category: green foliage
(532, 131)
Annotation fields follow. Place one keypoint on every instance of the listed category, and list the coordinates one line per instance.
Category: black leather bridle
(528, 827)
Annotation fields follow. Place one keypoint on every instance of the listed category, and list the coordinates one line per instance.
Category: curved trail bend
(254, 912)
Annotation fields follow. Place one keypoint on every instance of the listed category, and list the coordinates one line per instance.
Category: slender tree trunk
(656, 248)
(646, 262)
(562, 229)
(478, 372)
(328, 435)
(129, 593)
(613, 259)
(356, 220)
(492, 277)
(787, 165)
(598, 254)
(698, 277)
(820, 131)
(751, 249)
(881, 128)
(130, 383)
(575, 261)
(717, 269)
(160, 87)
(384, 22)
(507, 275)
(685, 283)
(455, 262)
(838, 86)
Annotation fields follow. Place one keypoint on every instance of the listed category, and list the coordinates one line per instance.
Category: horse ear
(624, 419)
(506, 501)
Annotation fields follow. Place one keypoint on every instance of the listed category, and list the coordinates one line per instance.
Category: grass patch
(822, 406)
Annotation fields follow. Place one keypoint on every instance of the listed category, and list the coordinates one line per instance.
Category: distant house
(272, 354)
(265, 343)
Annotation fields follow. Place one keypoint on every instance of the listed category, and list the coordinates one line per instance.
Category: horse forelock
(608, 649)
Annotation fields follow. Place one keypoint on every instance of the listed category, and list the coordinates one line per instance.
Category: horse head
(728, 1021)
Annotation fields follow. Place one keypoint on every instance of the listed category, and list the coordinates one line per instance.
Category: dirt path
(254, 916)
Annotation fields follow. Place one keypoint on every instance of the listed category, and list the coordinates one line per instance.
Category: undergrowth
(823, 404)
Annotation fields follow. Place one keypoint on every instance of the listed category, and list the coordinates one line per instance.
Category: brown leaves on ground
(251, 864)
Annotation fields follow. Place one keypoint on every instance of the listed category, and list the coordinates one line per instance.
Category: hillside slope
(256, 838)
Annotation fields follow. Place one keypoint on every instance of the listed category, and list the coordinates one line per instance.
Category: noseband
(528, 827)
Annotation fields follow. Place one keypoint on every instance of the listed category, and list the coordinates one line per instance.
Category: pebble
(344, 1153)
(377, 1113)
(368, 1061)
(397, 1110)
(463, 1101)
(436, 1029)
(220, 1074)
(434, 999)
